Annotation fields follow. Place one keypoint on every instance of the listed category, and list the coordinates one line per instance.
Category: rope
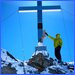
(9, 16)
(22, 44)
(68, 46)
(66, 11)
(20, 33)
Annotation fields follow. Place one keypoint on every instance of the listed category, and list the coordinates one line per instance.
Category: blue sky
(19, 30)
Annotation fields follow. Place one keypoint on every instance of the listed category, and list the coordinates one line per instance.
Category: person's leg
(57, 53)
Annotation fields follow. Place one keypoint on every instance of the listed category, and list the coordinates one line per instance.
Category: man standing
(57, 45)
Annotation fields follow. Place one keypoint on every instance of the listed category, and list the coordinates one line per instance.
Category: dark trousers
(57, 53)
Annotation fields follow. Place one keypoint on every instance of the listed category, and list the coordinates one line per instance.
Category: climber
(57, 46)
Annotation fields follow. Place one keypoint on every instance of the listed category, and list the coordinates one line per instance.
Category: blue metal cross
(39, 9)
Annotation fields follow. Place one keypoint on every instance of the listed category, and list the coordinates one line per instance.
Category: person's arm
(50, 36)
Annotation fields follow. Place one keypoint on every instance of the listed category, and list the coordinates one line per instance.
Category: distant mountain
(11, 65)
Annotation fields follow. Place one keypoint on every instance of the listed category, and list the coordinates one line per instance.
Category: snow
(29, 68)
(70, 63)
(45, 71)
(40, 44)
(43, 52)
(5, 57)
(18, 68)
(15, 64)
(23, 68)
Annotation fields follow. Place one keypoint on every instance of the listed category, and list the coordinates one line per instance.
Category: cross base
(41, 49)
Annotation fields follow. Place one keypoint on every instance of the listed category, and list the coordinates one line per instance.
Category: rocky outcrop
(40, 62)
(8, 69)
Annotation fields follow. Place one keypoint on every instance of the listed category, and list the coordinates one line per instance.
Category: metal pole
(39, 21)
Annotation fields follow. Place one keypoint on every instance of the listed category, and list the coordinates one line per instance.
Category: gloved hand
(46, 33)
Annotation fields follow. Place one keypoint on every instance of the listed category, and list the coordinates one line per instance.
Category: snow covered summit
(11, 65)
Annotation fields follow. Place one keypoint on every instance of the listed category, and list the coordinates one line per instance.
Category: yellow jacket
(57, 42)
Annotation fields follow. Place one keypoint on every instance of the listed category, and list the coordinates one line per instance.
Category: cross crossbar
(40, 8)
